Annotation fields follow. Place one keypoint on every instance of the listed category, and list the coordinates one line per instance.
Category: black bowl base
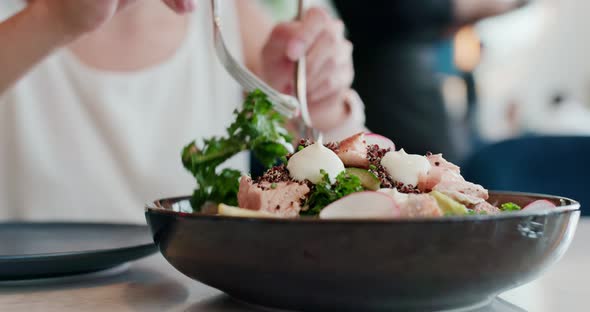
(367, 306)
(452, 264)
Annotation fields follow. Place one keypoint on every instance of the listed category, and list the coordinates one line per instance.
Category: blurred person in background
(396, 62)
(97, 98)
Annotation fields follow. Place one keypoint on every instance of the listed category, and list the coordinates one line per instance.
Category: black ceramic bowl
(331, 265)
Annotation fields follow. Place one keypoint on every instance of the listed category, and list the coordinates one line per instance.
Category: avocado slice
(231, 211)
(448, 205)
(368, 180)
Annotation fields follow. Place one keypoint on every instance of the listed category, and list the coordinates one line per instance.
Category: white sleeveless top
(82, 144)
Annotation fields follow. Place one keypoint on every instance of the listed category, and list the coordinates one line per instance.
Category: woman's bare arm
(26, 39)
(46, 25)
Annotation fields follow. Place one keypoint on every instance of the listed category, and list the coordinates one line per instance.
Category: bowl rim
(569, 205)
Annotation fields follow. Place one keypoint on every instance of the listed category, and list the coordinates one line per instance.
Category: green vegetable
(368, 180)
(472, 212)
(324, 193)
(510, 207)
(257, 128)
(449, 206)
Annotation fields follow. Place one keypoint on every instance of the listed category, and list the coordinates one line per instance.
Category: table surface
(151, 284)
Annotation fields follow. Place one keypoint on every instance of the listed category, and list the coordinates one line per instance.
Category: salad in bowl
(364, 176)
(354, 225)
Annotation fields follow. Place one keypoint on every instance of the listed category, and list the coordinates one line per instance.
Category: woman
(97, 98)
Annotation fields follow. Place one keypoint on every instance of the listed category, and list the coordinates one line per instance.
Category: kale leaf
(324, 193)
(257, 128)
(510, 207)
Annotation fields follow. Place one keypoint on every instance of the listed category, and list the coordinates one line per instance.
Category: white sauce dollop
(405, 168)
(307, 164)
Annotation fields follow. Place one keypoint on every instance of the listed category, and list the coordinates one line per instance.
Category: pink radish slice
(539, 205)
(362, 205)
(381, 141)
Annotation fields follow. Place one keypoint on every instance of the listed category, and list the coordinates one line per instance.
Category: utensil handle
(300, 75)
(306, 126)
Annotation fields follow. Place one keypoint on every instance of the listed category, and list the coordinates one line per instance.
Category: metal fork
(286, 105)
(306, 128)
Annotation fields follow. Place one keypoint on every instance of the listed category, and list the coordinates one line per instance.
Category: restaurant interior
(424, 155)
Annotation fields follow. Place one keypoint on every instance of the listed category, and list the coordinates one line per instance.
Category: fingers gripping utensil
(284, 104)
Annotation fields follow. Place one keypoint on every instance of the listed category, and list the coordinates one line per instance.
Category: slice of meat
(353, 151)
(420, 205)
(437, 161)
(486, 208)
(282, 198)
(454, 185)
(446, 178)
(439, 166)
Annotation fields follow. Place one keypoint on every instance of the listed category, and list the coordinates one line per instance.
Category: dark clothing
(389, 20)
(395, 62)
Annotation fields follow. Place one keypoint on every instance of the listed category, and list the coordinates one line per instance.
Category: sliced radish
(539, 205)
(362, 205)
(381, 141)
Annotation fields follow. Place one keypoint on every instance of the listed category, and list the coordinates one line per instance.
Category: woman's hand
(319, 38)
(77, 17)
